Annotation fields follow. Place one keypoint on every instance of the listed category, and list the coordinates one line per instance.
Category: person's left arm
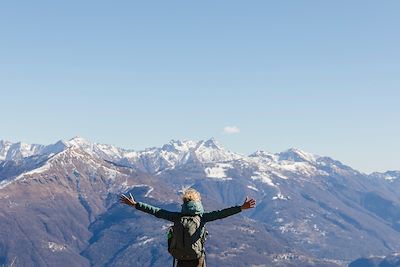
(220, 214)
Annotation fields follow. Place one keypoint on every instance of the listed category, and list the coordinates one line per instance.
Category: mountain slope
(312, 210)
(58, 200)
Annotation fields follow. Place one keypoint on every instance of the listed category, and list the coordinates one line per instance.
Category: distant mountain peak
(55, 148)
(176, 142)
(79, 141)
(261, 153)
(211, 143)
(178, 145)
(295, 154)
(4, 142)
(4, 147)
(187, 145)
(388, 175)
(19, 150)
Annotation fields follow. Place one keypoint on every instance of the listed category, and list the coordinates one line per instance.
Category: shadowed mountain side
(388, 261)
(124, 235)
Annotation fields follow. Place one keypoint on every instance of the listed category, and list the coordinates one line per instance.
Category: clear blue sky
(322, 76)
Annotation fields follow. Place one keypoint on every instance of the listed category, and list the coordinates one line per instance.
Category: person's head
(191, 195)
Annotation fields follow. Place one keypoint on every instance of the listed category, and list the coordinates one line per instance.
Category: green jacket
(193, 210)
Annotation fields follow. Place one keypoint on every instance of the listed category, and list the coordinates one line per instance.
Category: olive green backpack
(186, 238)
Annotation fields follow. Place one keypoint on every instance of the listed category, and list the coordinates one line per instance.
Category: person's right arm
(220, 214)
(155, 211)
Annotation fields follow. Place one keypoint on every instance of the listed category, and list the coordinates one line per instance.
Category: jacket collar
(192, 208)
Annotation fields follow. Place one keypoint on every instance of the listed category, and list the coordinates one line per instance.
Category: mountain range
(59, 205)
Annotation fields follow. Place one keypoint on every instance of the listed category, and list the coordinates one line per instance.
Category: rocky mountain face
(59, 205)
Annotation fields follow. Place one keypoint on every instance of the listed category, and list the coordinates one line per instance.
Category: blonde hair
(191, 195)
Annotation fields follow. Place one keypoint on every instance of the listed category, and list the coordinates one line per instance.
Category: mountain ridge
(312, 210)
(172, 152)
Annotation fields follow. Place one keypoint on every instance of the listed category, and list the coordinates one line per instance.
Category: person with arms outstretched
(186, 238)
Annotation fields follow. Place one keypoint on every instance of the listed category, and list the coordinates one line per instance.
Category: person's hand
(248, 203)
(127, 200)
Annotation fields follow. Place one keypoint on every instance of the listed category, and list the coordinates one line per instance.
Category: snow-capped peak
(79, 142)
(104, 151)
(211, 151)
(294, 154)
(21, 150)
(262, 154)
(4, 143)
(4, 147)
(179, 146)
(177, 153)
(211, 143)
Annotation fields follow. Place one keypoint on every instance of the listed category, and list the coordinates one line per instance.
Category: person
(191, 206)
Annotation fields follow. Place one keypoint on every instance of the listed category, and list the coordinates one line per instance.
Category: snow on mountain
(17, 151)
(212, 151)
(218, 171)
(21, 150)
(264, 155)
(283, 165)
(4, 147)
(388, 176)
(213, 158)
(302, 197)
(67, 155)
(177, 153)
(171, 154)
(297, 155)
(40, 169)
(81, 142)
(264, 177)
(104, 151)
(34, 159)
(54, 148)
(109, 152)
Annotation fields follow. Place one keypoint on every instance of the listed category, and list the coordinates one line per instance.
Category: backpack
(186, 238)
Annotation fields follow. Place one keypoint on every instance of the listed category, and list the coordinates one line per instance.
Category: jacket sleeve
(159, 213)
(220, 214)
